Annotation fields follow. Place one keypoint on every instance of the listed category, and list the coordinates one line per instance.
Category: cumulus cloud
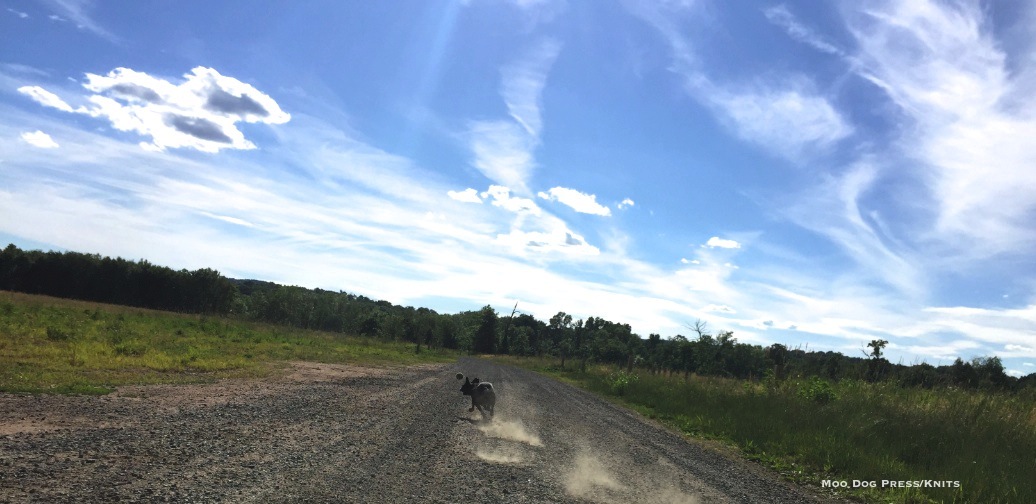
(578, 201)
(199, 113)
(502, 198)
(466, 196)
(717, 242)
(624, 204)
(39, 139)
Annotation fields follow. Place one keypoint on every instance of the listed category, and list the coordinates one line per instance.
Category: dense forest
(579, 342)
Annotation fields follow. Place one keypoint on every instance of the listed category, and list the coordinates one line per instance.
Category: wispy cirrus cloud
(78, 12)
(972, 119)
(522, 85)
(504, 149)
(503, 152)
(782, 17)
(200, 113)
(785, 116)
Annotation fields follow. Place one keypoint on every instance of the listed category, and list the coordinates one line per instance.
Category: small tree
(778, 354)
(876, 365)
(485, 336)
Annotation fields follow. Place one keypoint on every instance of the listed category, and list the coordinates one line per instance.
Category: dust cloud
(592, 477)
(499, 455)
(511, 430)
(586, 475)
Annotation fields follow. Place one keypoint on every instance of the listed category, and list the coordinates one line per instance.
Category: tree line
(574, 342)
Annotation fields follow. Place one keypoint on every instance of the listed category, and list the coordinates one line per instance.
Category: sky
(817, 174)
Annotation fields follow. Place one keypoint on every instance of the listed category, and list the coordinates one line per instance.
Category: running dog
(482, 395)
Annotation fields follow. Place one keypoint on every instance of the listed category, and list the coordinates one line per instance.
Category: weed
(620, 382)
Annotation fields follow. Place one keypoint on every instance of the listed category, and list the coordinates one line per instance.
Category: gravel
(333, 433)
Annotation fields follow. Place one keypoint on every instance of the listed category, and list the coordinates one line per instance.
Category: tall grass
(812, 430)
(57, 345)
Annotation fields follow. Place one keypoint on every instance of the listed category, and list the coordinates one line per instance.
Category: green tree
(485, 335)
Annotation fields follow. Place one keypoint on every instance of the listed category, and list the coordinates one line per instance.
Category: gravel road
(331, 433)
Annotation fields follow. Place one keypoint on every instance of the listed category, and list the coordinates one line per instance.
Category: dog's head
(469, 386)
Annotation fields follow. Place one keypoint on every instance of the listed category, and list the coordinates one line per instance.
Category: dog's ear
(467, 381)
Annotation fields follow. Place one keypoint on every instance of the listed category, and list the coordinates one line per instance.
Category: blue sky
(818, 178)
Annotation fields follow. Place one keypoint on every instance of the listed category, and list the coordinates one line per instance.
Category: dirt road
(327, 433)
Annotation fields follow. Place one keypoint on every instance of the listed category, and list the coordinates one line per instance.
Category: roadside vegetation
(64, 346)
(814, 416)
(812, 429)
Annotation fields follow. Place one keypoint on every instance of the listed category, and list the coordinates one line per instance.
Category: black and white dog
(482, 395)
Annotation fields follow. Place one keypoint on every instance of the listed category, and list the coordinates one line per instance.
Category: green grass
(63, 346)
(811, 430)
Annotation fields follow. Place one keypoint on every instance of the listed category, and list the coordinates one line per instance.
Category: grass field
(63, 346)
(812, 431)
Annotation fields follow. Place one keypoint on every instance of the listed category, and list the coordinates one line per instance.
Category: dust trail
(499, 456)
(587, 474)
(513, 430)
(592, 477)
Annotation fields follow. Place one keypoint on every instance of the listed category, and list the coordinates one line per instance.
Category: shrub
(621, 381)
(817, 390)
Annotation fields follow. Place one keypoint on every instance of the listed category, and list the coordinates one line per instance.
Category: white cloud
(522, 85)
(782, 17)
(784, 115)
(785, 120)
(719, 309)
(39, 139)
(503, 149)
(45, 98)
(466, 196)
(503, 152)
(717, 242)
(835, 209)
(20, 14)
(78, 13)
(578, 201)
(201, 113)
(971, 117)
(502, 198)
(559, 239)
(624, 204)
(1028, 364)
